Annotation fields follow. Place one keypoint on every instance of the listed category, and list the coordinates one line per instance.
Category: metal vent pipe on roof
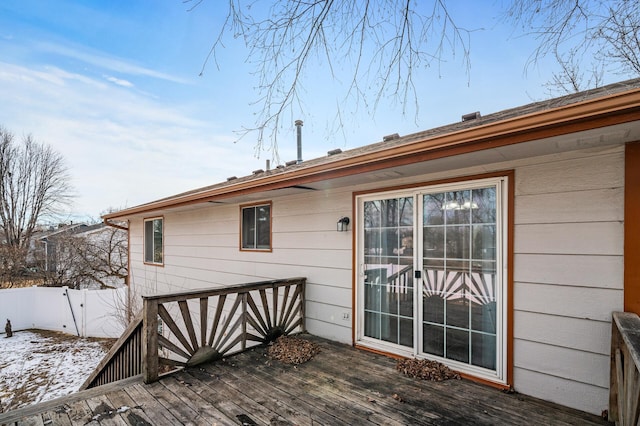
(299, 138)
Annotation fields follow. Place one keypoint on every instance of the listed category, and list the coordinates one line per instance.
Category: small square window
(153, 241)
(255, 224)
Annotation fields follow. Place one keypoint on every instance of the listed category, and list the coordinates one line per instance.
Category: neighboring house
(43, 249)
(497, 245)
(104, 257)
(81, 256)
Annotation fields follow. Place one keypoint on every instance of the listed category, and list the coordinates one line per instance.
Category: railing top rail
(628, 324)
(238, 288)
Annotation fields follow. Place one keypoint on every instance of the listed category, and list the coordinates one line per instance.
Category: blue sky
(114, 86)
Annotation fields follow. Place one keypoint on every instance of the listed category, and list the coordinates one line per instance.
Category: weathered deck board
(207, 413)
(324, 395)
(230, 402)
(330, 384)
(151, 407)
(285, 400)
(340, 386)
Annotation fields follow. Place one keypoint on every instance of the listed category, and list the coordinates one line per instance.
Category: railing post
(150, 341)
(302, 305)
(613, 372)
(244, 320)
(624, 396)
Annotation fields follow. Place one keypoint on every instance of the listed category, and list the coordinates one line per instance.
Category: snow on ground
(38, 365)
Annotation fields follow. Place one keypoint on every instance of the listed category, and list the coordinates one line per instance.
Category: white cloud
(118, 81)
(123, 147)
(101, 60)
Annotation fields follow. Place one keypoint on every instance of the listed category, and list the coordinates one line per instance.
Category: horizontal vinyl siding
(595, 271)
(201, 250)
(574, 394)
(568, 273)
(568, 262)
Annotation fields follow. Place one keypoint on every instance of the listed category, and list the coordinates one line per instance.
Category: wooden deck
(340, 386)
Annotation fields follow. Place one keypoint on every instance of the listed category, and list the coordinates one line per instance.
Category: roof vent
(298, 124)
(334, 151)
(291, 163)
(280, 166)
(471, 116)
(390, 137)
(232, 178)
(257, 172)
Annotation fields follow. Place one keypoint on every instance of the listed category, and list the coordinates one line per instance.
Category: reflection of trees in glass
(460, 226)
(157, 241)
(388, 249)
(388, 213)
(388, 223)
(153, 240)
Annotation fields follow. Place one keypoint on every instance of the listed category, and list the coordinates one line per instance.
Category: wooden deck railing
(204, 325)
(624, 390)
(186, 329)
(123, 360)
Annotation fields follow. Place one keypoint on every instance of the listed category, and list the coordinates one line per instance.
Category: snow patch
(37, 366)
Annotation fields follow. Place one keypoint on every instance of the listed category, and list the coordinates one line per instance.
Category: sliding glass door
(389, 297)
(431, 281)
(459, 268)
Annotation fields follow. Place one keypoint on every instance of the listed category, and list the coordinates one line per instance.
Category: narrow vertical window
(153, 240)
(255, 233)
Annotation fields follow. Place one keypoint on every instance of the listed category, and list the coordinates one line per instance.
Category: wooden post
(613, 375)
(302, 305)
(244, 319)
(624, 396)
(150, 341)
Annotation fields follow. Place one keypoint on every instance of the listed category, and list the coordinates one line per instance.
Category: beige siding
(567, 263)
(582, 396)
(201, 251)
(568, 275)
(593, 271)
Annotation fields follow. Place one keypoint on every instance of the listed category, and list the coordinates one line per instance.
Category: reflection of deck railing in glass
(477, 287)
(401, 282)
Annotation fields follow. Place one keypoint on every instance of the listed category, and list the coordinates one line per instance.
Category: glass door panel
(459, 262)
(388, 270)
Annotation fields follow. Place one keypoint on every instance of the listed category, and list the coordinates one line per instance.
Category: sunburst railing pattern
(190, 328)
(478, 287)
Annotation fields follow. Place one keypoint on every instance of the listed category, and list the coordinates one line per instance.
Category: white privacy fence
(86, 313)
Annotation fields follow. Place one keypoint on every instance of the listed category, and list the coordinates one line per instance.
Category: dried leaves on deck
(426, 370)
(293, 350)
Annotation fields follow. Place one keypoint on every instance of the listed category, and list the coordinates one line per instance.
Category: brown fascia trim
(591, 114)
(113, 225)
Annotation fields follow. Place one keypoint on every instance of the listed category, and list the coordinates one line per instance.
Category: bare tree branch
(382, 43)
(34, 183)
(584, 36)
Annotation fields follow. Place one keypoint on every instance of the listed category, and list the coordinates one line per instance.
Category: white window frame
(150, 258)
(500, 374)
(255, 207)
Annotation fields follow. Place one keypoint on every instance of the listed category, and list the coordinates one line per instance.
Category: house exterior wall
(569, 226)
(201, 250)
(568, 264)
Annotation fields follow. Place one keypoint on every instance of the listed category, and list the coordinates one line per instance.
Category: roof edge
(617, 108)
